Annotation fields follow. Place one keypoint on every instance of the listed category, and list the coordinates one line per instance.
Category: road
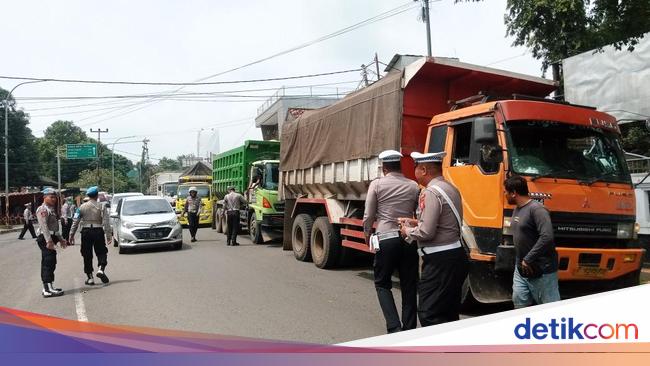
(251, 290)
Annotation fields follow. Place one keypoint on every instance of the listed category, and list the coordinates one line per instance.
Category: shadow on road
(97, 286)
(156, 250)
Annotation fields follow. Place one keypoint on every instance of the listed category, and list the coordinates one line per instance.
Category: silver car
(146, 221)
(115, 200)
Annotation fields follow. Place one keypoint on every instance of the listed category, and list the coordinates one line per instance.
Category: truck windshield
(271, 176)
(561, 150)
(170, 189)
(201, 191)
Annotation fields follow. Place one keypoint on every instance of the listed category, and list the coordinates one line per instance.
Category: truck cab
(572, 158)
(265, 211)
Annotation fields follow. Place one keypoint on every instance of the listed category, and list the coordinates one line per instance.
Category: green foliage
(636, 140)
(556, 29)
(88, 178)
(61, 133)
(167, 164)
(23, 168)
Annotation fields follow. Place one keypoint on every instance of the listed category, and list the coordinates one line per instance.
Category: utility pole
(99, 132)
(58, 170)
(364, 75)
(144, 159)
(377, 66)
(426, 20)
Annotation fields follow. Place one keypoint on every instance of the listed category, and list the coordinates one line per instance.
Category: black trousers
(396, 254)
(48, 259)
(232, 218)
(28, 225)
(93, 239)
(65, 228)
(440, 287)
(193, 223)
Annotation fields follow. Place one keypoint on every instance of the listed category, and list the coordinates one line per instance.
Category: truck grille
(152, 234)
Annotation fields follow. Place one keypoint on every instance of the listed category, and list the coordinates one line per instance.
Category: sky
(187, 41)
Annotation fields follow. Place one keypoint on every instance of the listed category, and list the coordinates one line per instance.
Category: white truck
(165, 184)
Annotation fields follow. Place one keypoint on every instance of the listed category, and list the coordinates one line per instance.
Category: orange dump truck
(570, 154)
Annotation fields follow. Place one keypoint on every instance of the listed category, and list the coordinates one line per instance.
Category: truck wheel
(325, 243)
(255, 230)
(214, 219)
(301, 237)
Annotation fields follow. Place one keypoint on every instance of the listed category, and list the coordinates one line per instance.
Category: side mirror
(492, 154)
(485, 130)
(115, 216)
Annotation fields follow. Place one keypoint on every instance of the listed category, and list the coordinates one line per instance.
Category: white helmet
(193, 189)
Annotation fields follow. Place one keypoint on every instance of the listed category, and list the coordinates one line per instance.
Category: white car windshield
(145, 207)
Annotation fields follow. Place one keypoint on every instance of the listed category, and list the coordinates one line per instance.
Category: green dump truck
(253, 169)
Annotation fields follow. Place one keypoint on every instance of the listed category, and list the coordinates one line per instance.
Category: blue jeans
(529, 291)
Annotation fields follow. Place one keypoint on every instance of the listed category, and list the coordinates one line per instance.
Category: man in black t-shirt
(535, 279)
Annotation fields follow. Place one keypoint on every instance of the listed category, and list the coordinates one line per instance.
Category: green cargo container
(232, 167)
(264, 215)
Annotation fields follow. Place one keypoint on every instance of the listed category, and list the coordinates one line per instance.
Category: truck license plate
(595, 272)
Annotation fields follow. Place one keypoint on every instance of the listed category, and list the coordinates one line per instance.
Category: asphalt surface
(252, 290)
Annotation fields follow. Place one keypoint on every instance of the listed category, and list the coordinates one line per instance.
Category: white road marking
(80, 307)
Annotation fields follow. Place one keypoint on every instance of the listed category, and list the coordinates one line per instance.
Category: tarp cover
(614, 81)
(200, 168)
(361, 125)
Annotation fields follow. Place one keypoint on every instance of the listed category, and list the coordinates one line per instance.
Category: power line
(387, 14)
(179, 84)
(143, 104)
(130, 96)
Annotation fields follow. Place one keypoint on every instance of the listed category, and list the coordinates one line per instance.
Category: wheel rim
(300, 239)
(252, 228)
(318, 246)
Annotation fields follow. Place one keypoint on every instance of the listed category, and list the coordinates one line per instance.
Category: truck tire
(255, 230)
(214, 219)
(325, 243)
(301, 237)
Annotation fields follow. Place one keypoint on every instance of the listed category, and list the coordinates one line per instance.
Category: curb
(7, 231)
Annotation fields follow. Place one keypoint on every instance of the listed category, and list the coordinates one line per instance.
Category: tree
(61, 133)
(24, 170)
(58, 134)
(88, 178)
(167, 164)
(556, 29)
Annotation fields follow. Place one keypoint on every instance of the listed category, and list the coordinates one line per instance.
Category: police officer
(233, 202)
(28, 217)
(48, 237)
(438, 233)
(93, 218)
(67, 212)
(193, 211)
(389, 198)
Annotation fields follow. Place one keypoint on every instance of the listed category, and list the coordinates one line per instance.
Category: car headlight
(625, 230)
(172, 222)
(128, 225)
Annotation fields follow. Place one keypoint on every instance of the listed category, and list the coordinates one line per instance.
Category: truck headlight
(625, 230)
